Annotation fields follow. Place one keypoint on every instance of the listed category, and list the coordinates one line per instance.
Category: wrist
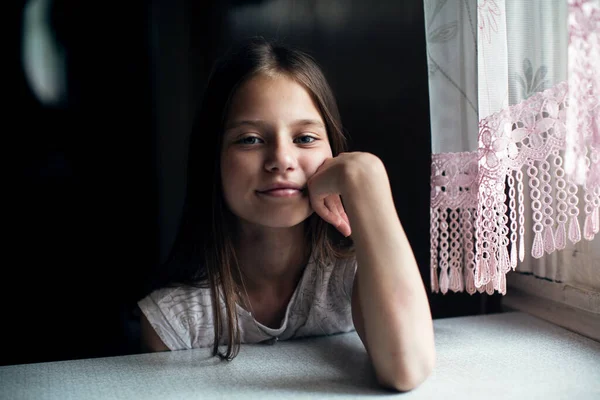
(366, 175)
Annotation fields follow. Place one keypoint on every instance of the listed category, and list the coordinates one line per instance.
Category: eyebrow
(263, 124)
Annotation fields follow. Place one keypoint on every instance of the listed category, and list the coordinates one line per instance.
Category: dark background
(96, 178)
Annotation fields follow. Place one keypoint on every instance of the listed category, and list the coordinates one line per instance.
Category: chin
(280, 222)
(283, 223)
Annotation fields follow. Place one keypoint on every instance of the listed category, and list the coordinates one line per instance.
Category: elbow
(407, 378)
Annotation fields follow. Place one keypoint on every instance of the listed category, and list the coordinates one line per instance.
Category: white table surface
(500, 356)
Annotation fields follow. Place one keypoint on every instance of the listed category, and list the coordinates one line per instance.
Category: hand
(325, 188)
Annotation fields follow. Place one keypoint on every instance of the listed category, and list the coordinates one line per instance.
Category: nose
(281, 156)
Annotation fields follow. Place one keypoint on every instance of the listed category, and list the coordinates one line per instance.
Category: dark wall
(97, 179)
(79, 226)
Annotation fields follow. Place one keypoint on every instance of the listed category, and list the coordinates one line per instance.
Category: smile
(282, 193)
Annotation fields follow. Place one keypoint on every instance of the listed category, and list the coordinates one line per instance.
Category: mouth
(283, 192)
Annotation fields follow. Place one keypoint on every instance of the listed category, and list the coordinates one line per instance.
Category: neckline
(278, 331)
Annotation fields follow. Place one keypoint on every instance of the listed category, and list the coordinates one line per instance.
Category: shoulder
(336, 276)
(175, 302)
(179, 295)
(176, 312)
(346, 270)
(342, 266)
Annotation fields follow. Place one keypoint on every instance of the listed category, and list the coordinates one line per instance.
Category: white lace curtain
(515, 122)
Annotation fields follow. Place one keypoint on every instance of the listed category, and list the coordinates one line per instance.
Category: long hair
(203, 254)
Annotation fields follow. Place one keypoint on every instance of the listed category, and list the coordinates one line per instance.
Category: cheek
(234, 172)
(227, 176)
(312, 164)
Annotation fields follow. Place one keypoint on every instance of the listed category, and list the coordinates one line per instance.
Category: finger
(333, 218)
(342, 211)
(337, 201)
(331, 206)
(340, 222)
(321, 208)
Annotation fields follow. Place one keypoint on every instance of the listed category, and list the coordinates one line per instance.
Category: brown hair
(203, 254)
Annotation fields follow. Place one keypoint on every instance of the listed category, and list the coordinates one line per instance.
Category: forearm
(394, 307)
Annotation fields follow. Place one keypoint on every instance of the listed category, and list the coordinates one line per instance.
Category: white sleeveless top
(321, 305)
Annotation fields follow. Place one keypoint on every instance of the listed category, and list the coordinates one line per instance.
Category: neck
(271, 259)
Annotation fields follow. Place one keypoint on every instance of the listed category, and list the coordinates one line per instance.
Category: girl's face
(273, 134)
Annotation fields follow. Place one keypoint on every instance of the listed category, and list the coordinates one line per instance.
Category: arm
(389, 303)
(150, 340)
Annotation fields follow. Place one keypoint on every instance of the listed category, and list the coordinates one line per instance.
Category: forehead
(277, 98)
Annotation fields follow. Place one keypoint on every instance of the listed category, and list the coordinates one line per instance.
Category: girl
(274, 254)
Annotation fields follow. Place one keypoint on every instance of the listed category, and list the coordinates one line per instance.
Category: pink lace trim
(583, 114)
(454, 188)
(477, 230)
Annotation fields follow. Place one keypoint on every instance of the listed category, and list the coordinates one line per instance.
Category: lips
(281, 189)
(282, 193)
(281, 186)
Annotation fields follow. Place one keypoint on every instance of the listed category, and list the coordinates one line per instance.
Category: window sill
(574, 308)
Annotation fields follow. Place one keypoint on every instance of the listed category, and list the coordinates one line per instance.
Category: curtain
(515, 125)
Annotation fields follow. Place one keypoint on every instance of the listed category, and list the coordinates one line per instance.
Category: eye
(307, 137)
(248, 140)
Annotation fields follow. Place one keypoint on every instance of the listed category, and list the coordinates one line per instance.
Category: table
(498, 356)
